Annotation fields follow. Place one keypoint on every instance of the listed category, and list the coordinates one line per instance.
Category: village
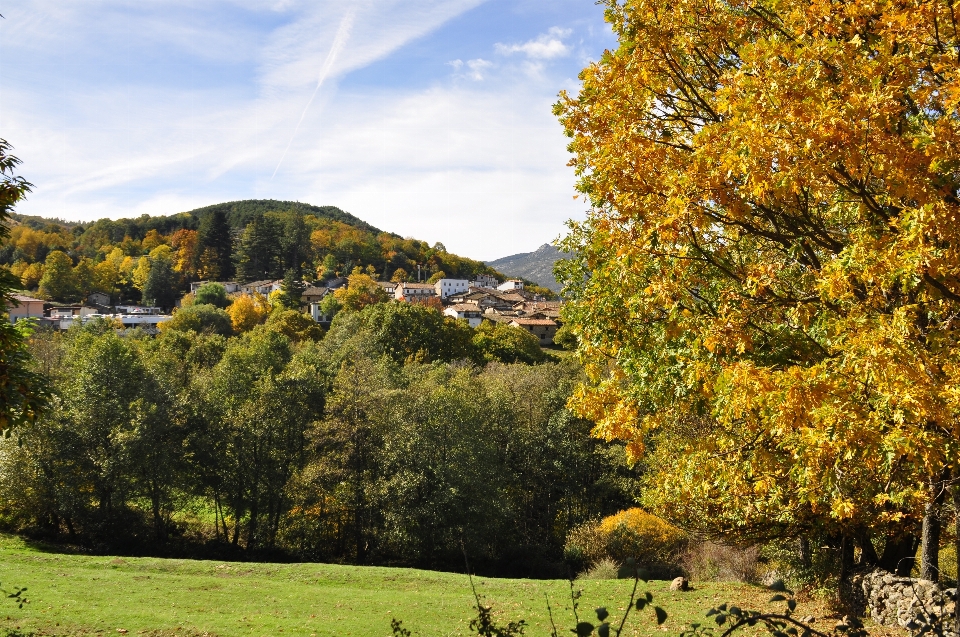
(485, 298)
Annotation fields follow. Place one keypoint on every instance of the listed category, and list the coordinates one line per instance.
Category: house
(313, 294)
(317, 314)
(27, 307)
(261, 287)
(446, 287)
(543, 329)
(146, 322)
(485, 281)
(389, 287)
(466, 311)
(408, 291)
(138, 310)
(69, 311)
(512, 284)
(98, 298)
(484, 299)
(230, 286)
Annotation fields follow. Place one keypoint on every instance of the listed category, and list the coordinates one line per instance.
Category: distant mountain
(536, 266)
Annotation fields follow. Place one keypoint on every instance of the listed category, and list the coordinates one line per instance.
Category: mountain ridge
(536, 266)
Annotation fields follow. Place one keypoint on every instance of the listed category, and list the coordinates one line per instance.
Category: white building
(446, 287)
(230, 286)
(485, 281)
(317, 314)
(467, 311)
(511, 285)
(414, 291)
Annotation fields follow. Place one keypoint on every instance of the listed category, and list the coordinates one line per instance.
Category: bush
(655, 544)
(604, 569)
(710, 561)
(202, 319)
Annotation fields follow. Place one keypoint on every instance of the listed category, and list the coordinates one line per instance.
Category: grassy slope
(83, 595)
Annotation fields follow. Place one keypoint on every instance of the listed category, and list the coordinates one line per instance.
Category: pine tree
(259, 256)
(214, 234)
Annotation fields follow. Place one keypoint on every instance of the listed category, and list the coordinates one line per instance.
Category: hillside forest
(152, 260)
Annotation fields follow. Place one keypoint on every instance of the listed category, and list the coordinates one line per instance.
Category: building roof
(315, 291)
(22, 298)
(463, 307)
(418, 286)
(529, 321)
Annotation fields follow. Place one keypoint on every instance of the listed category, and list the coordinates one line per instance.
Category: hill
(536, 266)
(242, 240)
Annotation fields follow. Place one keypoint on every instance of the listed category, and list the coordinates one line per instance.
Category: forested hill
(241, 213)
(154, 258)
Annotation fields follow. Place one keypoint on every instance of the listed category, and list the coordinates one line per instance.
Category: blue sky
(428, 118)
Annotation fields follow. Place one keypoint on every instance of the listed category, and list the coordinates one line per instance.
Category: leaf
(661, 615)
(604, 630)
(641, 603)
(778, 586)
(583, 629)
(602, 613)
(778, 598)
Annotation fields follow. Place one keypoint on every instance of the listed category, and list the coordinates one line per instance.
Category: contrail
(343, 34)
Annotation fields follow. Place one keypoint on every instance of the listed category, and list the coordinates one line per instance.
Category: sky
(428, 118)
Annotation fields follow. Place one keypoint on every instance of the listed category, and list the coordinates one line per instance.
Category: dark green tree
(214, 234)
(259, 255)
(296, 242)
(162, 286)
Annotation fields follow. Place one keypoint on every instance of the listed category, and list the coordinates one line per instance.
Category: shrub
(655, 544)
(604, 569)
(709, 561)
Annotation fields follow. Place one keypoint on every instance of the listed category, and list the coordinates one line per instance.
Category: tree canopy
(767, 286)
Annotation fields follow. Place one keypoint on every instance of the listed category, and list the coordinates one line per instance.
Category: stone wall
(906, 602)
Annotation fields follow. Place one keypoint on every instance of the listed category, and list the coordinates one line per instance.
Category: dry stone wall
(906, 602)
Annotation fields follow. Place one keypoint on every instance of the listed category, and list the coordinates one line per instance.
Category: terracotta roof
(527, 321)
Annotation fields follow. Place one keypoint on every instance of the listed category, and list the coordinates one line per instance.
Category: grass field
(84, 595)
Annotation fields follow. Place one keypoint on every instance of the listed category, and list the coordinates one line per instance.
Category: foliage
(766, 288)
(23, 394)
(361, 290)
(655, 544)
(212, 294)
(247, 311)
(59, 281)
(200, 318)
(501, 342)
(295, 325)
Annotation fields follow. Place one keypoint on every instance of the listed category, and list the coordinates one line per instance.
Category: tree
(767, 283)
(215, 246)
(213, 294)
(400, 276)
(436, 276)
(507, 344)
(201, 319)
(58, 282)
(23, 394)
(162, 284)
(246, 312)
(295, 325)
(259, 254)
(361, 290)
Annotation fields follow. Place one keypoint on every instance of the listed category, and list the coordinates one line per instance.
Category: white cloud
(545, 47)
(477, 166)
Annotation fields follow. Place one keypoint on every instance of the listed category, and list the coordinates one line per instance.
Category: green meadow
(94, 595)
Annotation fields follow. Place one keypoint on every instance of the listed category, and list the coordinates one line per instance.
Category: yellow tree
(246, 312)
(361, 290)
(767, 286)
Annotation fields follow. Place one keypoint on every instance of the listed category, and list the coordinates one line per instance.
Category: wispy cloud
(544, 47)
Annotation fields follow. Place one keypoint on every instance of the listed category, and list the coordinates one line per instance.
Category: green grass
(84, 595)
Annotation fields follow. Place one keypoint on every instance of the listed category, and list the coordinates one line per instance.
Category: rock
(680, 584)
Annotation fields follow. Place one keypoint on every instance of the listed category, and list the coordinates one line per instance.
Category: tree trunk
(846, 557)
(868, 554)
(898, 554)
(930, 547)
(806, 557)
(956, 543)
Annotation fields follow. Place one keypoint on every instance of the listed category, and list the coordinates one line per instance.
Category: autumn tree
(59, 282)
(768, 283)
